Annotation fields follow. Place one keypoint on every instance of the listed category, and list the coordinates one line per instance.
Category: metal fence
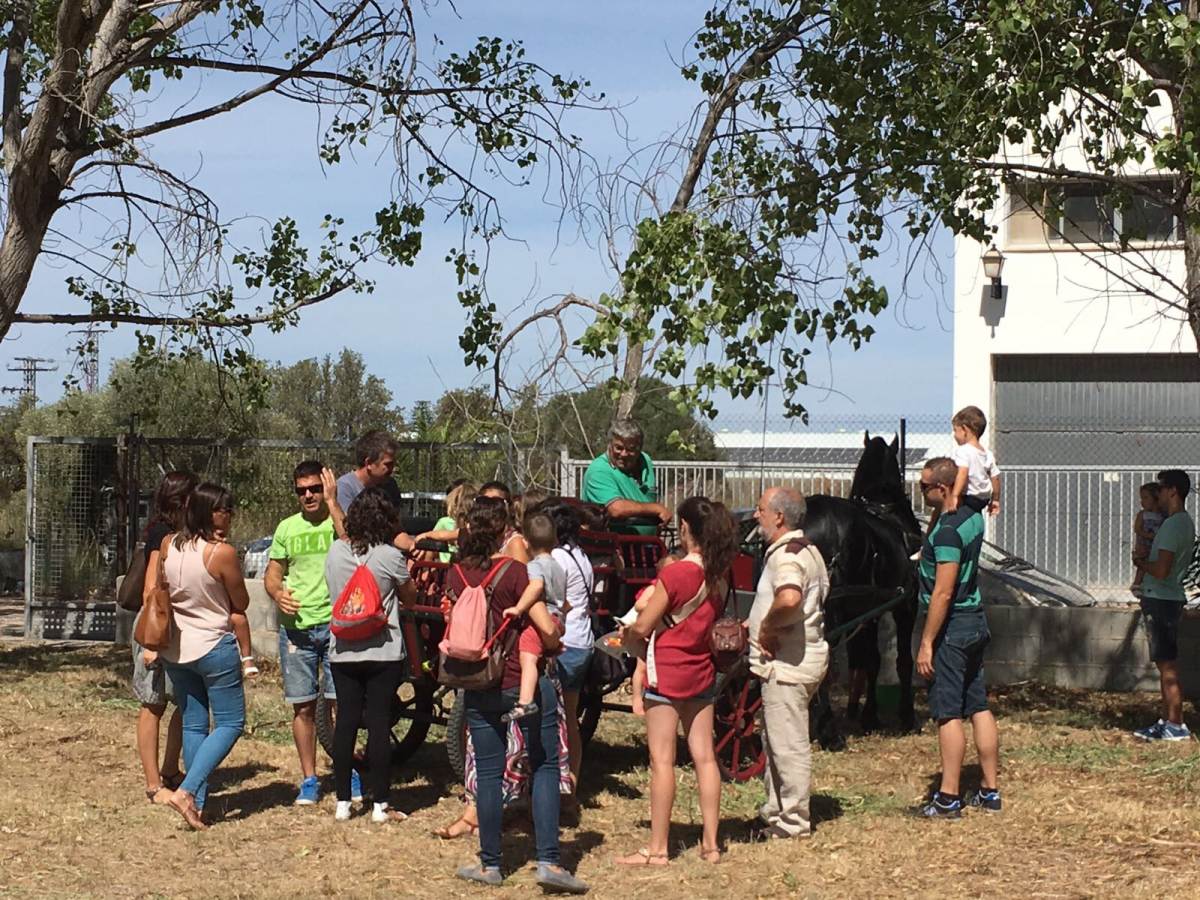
(1076, 523)
(87, 501)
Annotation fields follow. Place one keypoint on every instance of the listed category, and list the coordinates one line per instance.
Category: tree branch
(14, 65)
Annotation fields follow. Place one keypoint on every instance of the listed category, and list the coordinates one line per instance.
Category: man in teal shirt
(622, 481)
(953, 641)
(1163, 599)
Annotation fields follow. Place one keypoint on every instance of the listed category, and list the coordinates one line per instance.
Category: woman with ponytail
(681, 676)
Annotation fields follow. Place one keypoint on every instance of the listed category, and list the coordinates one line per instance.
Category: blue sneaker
(984, 799)
(310, 792)
(356, 793)
(1173, 732)
(1151, 732)
(940, 808)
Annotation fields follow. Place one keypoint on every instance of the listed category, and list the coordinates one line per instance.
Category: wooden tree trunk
(31, 204)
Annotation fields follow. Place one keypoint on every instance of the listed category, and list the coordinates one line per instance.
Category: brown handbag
(728, 641)
(156, 624)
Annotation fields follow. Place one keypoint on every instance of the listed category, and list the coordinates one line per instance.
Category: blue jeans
(212, 682)
(489, 741)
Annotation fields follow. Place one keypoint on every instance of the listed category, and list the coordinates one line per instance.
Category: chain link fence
(87, 502)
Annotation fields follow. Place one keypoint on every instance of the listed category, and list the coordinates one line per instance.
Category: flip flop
(642, 857)
(707, 855)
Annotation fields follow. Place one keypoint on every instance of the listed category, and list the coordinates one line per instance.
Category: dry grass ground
(1088, 811)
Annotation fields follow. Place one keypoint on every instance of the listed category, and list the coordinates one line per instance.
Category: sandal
(248, 666)
(707, 855)
(186, 806)
(460, 827)
(642, 858)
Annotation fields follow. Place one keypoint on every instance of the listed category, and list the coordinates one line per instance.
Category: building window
(1090, 213)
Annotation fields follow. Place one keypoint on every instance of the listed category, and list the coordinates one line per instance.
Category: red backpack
(358, 613)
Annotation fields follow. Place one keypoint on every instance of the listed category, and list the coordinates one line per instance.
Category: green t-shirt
(1177, 535)
(304, 546)
(956, 538)
(446, 523)
(603, 483)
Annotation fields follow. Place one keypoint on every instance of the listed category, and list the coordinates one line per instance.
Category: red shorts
(531, 642)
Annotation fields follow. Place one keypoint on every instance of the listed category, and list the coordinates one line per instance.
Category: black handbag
(129, 594)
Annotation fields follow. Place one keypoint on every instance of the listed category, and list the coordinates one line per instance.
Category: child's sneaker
(310, 792)
(356, 793)
(984, 799)
(941, 807)
(1173, 732)
(1150, 732)
(520, 711)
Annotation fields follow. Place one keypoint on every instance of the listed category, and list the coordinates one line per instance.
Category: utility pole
(30, 367)
(89, 357)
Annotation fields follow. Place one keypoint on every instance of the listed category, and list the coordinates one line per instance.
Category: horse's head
(877, 476)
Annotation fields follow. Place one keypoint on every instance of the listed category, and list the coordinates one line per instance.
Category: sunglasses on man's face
(302, 489)
(927, 486)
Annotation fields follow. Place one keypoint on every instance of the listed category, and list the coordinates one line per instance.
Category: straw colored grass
(1089, 812)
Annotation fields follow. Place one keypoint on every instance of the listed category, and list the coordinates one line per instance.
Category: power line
(88, 362)
(30, 367)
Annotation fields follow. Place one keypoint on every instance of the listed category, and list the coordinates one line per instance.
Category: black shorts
(979, 504)
(958, 690)
(1162, 627)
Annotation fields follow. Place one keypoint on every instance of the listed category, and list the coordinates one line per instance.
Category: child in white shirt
(978, 482)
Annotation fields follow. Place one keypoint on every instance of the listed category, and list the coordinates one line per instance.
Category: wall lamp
(993, 262)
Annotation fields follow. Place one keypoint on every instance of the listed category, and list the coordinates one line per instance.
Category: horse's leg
(872, 661)
(823, 721)
(858, 659)
(905, 617)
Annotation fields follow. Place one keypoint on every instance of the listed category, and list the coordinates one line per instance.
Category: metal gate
(87, 501)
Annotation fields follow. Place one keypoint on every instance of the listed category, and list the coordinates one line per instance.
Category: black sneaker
(984, 799)
(941, 808)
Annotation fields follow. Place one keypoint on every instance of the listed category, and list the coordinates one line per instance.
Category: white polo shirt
(803, 655)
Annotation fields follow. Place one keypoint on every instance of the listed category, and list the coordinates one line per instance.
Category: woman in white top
(576, 658)
(203, 661)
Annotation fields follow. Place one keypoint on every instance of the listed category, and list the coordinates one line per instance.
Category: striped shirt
(957, 537)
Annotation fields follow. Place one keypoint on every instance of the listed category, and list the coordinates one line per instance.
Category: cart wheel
(456, 736)
(738, 741)
(588, 711)
(412, 714)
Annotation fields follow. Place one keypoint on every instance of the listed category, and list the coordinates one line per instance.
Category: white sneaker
(342, 813)
(381, 812)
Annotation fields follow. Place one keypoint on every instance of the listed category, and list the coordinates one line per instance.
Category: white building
(1089, 383)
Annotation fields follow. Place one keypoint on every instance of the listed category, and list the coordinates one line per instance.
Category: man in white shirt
(788, 652)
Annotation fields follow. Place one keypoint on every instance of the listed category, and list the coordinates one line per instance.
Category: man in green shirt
(295, 580)
(1163, 599)
(622, 481)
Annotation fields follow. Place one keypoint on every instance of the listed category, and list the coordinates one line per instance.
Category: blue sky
(261, 162)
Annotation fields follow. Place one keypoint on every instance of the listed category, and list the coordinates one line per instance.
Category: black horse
(867, 542)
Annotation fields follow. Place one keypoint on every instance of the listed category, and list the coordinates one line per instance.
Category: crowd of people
(524, 554)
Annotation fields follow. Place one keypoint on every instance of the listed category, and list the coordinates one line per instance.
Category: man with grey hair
(788, 652)
(621, 479)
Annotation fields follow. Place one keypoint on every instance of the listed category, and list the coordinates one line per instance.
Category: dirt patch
(1088, 811)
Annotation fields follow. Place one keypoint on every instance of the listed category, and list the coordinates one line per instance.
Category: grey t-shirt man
(390, 569)
(349, 487)
(554, 579)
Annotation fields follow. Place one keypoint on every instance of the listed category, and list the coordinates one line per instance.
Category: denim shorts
(1162, 627)
(708, 695)
(573, 664)
(151, 686)
(958, 690)
(302, 652)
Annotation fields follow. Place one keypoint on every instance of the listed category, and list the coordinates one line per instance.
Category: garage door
(1090, 409)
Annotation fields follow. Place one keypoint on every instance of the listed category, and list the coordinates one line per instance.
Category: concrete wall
(262, 612)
